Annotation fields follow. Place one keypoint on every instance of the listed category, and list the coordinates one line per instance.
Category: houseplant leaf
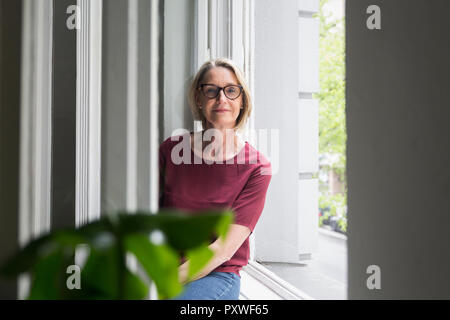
(105, 274)
(198, 258)
(38, 249)
(101, 273)
(159, 261)
(135, 288)
(183, 231)
(48, 276)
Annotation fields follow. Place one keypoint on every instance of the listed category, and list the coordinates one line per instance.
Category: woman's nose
(222, 96)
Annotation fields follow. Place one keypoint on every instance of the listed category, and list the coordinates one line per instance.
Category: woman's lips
(221, 110)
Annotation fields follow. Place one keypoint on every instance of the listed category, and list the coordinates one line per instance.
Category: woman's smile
(221, 110)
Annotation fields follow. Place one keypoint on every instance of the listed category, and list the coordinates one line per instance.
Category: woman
(221, 172)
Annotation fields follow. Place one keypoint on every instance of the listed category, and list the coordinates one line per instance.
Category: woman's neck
(218, 142)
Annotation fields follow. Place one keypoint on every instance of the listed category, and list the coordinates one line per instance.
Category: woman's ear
(197, 99)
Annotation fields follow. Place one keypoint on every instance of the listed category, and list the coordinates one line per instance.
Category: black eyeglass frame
(221, 89)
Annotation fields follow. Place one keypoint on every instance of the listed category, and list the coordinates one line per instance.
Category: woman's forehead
(221, 75)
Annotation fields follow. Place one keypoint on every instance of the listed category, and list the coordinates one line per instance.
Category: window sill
(259, 283)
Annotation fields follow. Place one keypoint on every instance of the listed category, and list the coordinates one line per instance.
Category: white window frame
(228, 31)
(36, 125)
(215, 36)
(88, 112)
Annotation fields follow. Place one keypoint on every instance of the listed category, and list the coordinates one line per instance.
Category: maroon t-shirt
(190, 183)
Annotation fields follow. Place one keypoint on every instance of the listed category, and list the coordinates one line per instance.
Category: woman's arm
(223, 251)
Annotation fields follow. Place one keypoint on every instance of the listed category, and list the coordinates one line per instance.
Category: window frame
(36, 126)
(237, 41)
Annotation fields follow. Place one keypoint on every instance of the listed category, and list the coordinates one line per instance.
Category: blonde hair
(246, 99)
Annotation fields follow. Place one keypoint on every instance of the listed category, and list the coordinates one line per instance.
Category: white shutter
(286, 64)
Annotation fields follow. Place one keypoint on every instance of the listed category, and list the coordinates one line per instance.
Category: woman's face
(220, 112)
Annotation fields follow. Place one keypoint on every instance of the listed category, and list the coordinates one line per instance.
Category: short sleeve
(249, 204)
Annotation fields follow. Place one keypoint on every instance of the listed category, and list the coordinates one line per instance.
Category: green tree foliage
(332, 129)
(332, 133)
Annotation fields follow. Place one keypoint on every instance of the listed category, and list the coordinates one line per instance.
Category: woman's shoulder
(257, 159)
(173, 140)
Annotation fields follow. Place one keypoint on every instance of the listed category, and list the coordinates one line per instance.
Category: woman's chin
(223, 124)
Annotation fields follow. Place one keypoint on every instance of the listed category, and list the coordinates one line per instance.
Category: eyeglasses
(211, 91)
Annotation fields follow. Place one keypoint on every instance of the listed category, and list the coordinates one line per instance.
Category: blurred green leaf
(198, 258)
(192, 232)
(105, 274)
(38, 249)
(49, 275)
(101, 273)
(182, 231)
(159, 261)
(135, 288)
(28, 257)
